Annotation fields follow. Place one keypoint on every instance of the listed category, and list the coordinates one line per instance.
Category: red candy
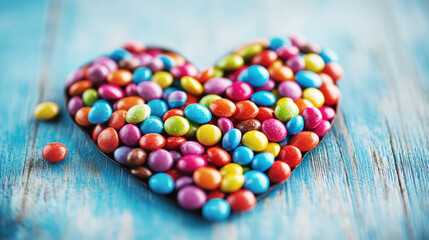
(279, 172)
(173, 143)
(54, 152)
(290, 155)
(264, 58)
(152, 141)
(218, 156)
(97, 130)
(117, 120)
(241, 200)
(246, 110)
(173, 112)
(265, 113)
(305, 141)
(334, 70)
(108, 140)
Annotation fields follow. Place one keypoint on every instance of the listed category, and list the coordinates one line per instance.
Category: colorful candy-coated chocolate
(273, 148)
(117, 120)
(216, 85)
(322, 128)
(192, 147)
(286, 109)
(262, 161)
(290, 155)
(152, 124)
(128, 102)
(255, 140)
(328, 113)
(161, 183)
(242, 200)
(120, 54)
(137, 113)
(142, 74)
(130, 135)
(230, 62)
(120, 77)
(191, 197)
(312, 117)
(278, 42)
(314, 62)
(231, 168)
(222, 107)
(274, 129)
(54, 152)
(108, 140)
(198, 113)
(177, 99)
(164, 79)
(225, 124)
(176, 126)
(152, 141)
(191, 162)
(100, 112)
(160, 160)
(191, 85)
(208, 134)
(242, 155)
(263, 98)
(255, 75)
(264, 58)
(81, 117)
(279, 172)
(231, 139)
(158, 107)
(265, 113)
(74, 104)
(248, 125)
(207, 178)
(120, 154)
(79, 87)
(239, 91)
(174, 143)
(290, 89)
(305, 140)
(149, 90)
(89, 97)
(141, 173)
(315, 96)
(182, 182)
(308, 79)
(334, 70)
(295, 125)
(328, 55)
(216, 210)
(110, 92)
(231, 182)
(246, 110)
(256, 182)
(206, 100)
(46, 110)
(136, 157)
(218, 156)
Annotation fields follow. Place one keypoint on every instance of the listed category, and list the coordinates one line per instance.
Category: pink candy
(217, 85)
(110, 91)
(312, 117)
(274, 129)
(189, 163)
(323, 128)
(239, 91)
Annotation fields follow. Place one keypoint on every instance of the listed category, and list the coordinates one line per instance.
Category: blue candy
(231, 139)
(329, 55)
(142, 74)
(277, 42)
(295, 125)
(120, 54)
(217, 209)
(283, 142)
(255, 75)
(177, 99)
(307, 79)
(168, 62)
(256, 182)
(120, 154)
(242, 155)
(263, 98)
(161, 183)
(262, 162)
(167, 92)
(152, 124)
(158, 107)
(100, 112)
(198, 113)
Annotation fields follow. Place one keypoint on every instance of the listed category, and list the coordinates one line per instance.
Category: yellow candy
(208, 134)
(315, 96)
(255, 140)
(231, 168)
(164, 79)
(191, 85)
(231, 182)
(313, 62)
(46, 110)
(273, 148)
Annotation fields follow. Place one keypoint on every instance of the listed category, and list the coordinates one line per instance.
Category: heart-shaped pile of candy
(214, 140)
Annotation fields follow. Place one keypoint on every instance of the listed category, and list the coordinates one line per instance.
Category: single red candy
(54, 152)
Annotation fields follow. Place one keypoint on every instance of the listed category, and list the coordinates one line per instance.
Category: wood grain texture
(367, 180)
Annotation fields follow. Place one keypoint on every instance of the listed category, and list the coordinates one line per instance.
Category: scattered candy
(214, 140)
(48, 110)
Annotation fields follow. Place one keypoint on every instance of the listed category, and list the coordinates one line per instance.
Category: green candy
(286, 109)
(230, 62)
(217, 73)
(176, 126)
(206, 100)
(89, 97)
(250, 51)
(137, 113)
(193, 127)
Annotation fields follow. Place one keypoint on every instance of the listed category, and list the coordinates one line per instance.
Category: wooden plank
(368, 179)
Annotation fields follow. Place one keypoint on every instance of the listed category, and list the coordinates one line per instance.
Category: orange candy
(152, 141)
(81, 117)
(108, 140)
(280, 73)
(305, 141)
(331, 93)
(222, 107)
(177, 58)
(128, 102)
(171, 113)
(246, 110)
(207, 178)
(117, 120)
(79, 87)
(120, 77)
(205, 75)
(334, 70)
(302, 104)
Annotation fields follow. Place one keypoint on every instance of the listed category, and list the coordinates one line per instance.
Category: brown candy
(249, 125)
(129, 64)
(141, 172)
(136, 157)
(311, 48)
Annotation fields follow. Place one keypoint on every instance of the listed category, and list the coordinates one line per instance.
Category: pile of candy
(213, 140)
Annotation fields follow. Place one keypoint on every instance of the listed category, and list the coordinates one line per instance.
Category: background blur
(367, 180)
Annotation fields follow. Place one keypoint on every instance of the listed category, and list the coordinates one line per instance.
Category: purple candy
(149, 90)
(191, 147)
(131, 90)
(312, 117)
(145, 59)
(225, 125)
(189, 163)
(185, 70)
(156, 65)
(160, 160)
(74, 77)
(328, 113)
(176, 155)
(120, 154)
(110, 91)
(97, 73)
(182, 182)
(130, 134)
(268, 86)
(75, 103)
(191, 197)
(107, 62)
(322, 128)
(290, 89)
(217, 85)
(296, 63)
(286, 52)
(298, 40)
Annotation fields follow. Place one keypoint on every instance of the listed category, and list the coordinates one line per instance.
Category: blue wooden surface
(368, 179)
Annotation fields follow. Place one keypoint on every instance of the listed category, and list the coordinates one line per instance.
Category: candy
(264, 58)
(117, 120)
(120, 154)
(216, 210)
(231, 182)
(329, 55)
(137, 113)
(295, 125)
(191, 162)
(158, 107)
(231, 139)
(129, 134)
(216, 85)
(141, 173)
(74, 104)
(164, 79)
(263, 98)
(160, 160)
(222, 107)
(192, 147)
(328, 113)
(256, 181)
(273, 148)
(286, 109)
(110, 92)
(278, 42)
(100, 112)
(314, 62)
(191, 85)
(225, 125)
(79, 87)
(231, 168)
(207, 178)
(54, 152)
(218, 156)
(255, 140)
(308, 79)
(239, 91)
(264, 114)
(242, 200)
(136, 157)
(206, 100)
(81, 117)
(182, 182)
(120, 54)
(246, 110)
(120, 77)
(161, 183)
(89, 97)
(249, 125)
(255, 75)
(176, 126)
(108, 140)
(191, 197)
(198, 113)
(208, 134)
(177, 99)
(141, 74)
(274, 130)
(334, 70)
(291, 155)
(128, 102)
(262, 161)
(149, 90)
(230, 62)
(48, 110)
(322, 128)
(315, 96)
(173, 143)
(280, 72)
(305, 140)
(279, 172)
(152, 141)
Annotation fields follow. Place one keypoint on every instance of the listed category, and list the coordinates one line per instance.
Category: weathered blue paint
(368, 179)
